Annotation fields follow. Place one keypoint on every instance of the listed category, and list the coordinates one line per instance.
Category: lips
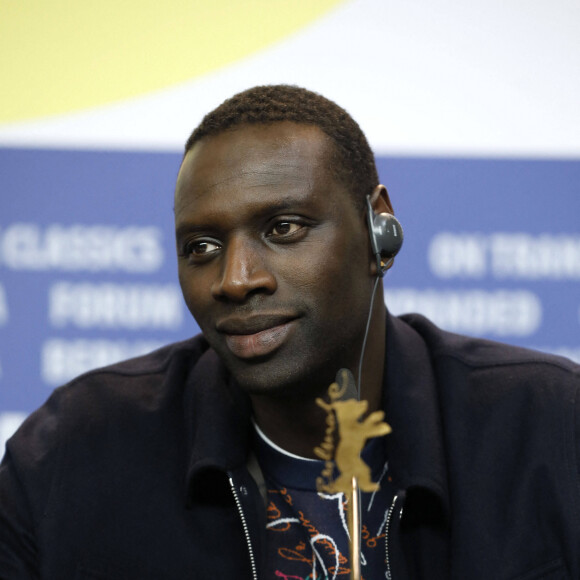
(256, 336)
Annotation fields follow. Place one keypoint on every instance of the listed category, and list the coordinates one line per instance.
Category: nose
(244, 271)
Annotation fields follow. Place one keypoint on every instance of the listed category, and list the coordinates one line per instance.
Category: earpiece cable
(364, 344)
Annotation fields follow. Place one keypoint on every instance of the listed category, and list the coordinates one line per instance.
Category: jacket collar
(219, 437)
(217, 421)
(415, 447)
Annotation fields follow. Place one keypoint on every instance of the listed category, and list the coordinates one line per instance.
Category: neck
(298, 424)
(295, 426)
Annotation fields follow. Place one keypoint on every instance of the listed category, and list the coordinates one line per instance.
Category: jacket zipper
(388, 574)
(246, 529)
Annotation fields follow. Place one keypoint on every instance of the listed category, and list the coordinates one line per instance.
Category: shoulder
(492, 397)
(130, 396)
(478, 353)
(509, 425)
(108, 434)
(136, 382)
(477, 377)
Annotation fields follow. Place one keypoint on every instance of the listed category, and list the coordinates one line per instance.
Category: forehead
(255, 156)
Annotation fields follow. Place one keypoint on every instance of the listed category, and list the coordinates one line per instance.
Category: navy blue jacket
(139, 470)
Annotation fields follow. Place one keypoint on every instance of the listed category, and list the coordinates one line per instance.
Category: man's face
(274, 259)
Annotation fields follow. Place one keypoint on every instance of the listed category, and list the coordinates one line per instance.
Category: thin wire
(362, 354)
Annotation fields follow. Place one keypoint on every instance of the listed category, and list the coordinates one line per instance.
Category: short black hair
(352, 160)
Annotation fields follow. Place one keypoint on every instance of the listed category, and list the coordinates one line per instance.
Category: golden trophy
(346, 434)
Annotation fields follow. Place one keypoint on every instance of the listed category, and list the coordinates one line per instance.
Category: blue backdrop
(88, 270)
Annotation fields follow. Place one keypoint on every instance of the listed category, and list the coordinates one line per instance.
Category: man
(197, 461)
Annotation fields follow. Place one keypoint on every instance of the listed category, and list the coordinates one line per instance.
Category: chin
(288, 380)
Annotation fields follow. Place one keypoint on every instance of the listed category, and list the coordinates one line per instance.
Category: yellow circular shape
(58, 56)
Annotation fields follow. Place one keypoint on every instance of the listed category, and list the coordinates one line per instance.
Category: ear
(381, 203)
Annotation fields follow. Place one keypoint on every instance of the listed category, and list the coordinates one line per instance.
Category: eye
(284, 228)
(200, 248)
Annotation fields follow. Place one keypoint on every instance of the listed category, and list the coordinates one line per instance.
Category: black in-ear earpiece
(386, 235)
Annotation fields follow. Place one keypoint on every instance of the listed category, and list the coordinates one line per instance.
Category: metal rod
(354, 525)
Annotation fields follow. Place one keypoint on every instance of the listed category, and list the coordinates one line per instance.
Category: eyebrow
(285, 204)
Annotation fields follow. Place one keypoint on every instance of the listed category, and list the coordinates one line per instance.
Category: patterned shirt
(307, 534)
